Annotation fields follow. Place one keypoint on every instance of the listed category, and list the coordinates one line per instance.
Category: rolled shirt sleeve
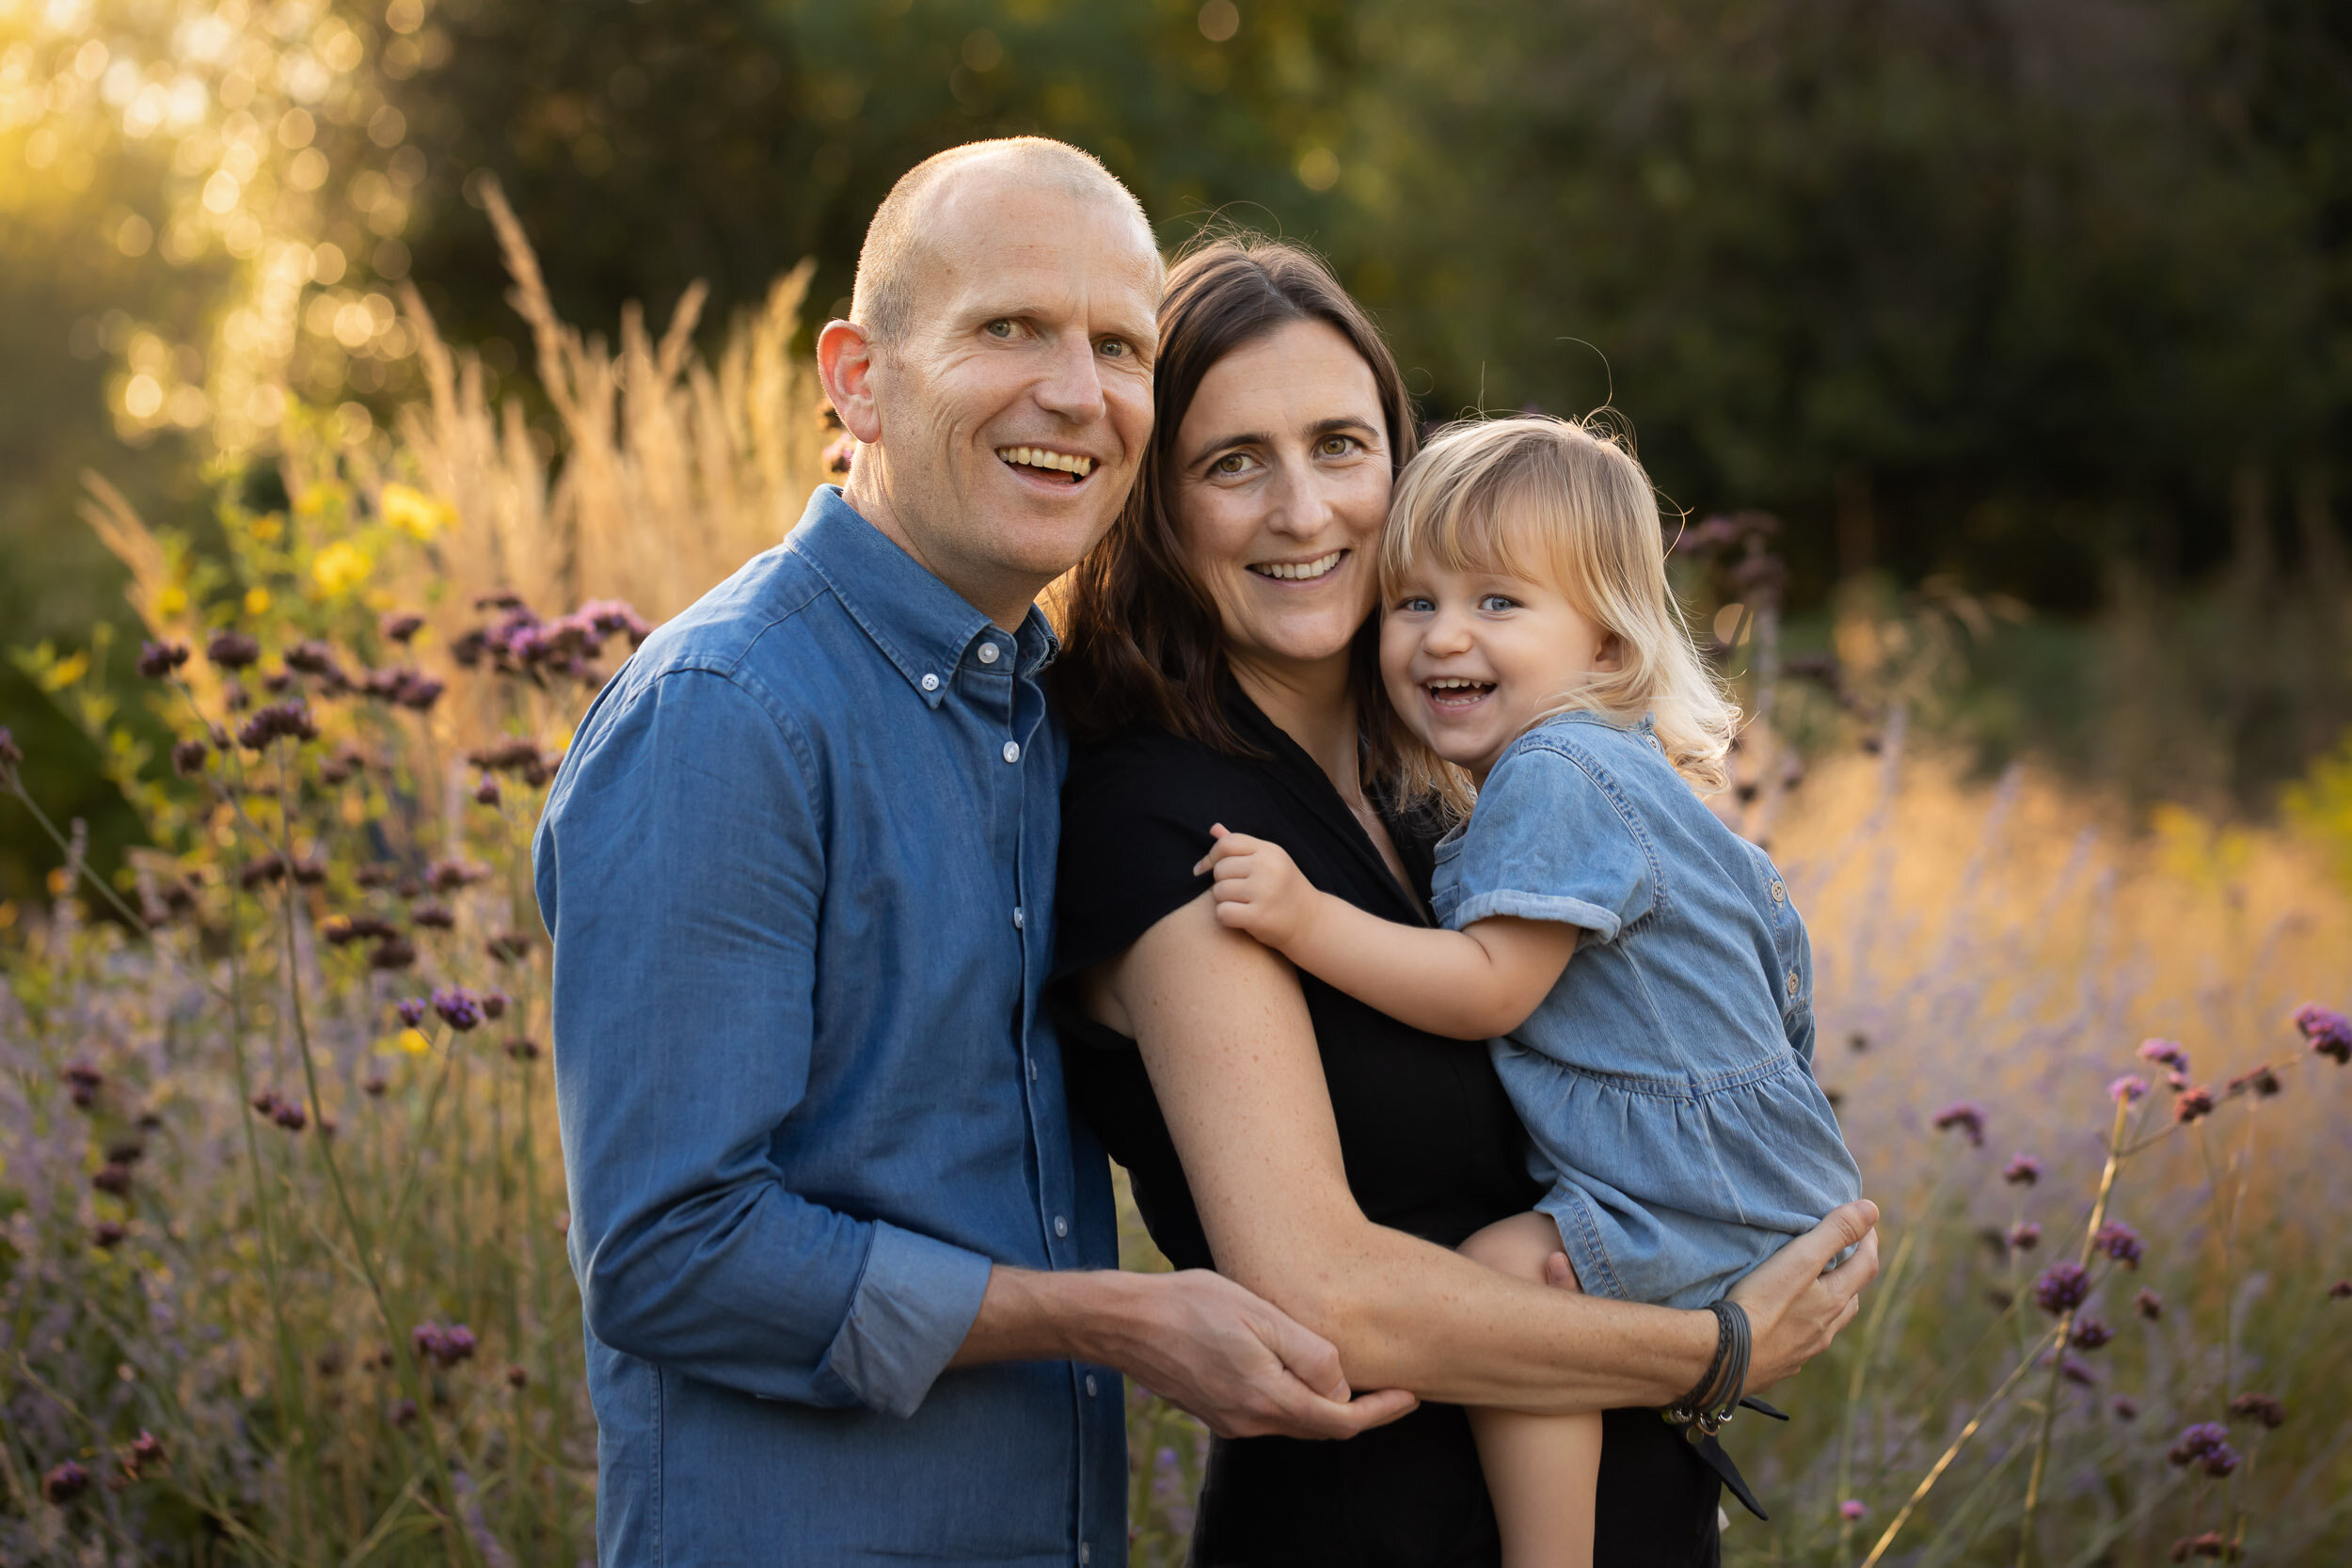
(681, 871)
(1548, 840)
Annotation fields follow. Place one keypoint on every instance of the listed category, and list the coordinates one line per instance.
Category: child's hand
(1259, 888)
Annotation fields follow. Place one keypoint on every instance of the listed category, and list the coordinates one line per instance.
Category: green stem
(363, 1247)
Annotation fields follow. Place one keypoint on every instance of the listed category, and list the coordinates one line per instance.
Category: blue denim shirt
(1666, 1082)
(799, 866)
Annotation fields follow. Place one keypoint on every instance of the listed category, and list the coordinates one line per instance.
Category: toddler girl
(1643, 978)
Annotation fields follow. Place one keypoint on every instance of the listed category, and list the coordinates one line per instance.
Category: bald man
(849, 1276)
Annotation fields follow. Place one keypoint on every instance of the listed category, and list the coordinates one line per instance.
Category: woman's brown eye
(1000, 327)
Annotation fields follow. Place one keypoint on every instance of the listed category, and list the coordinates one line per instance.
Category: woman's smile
(1312, 570)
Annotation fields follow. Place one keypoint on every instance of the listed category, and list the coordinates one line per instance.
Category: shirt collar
(921, 624)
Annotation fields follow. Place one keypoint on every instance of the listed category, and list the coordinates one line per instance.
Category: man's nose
(1073, 385)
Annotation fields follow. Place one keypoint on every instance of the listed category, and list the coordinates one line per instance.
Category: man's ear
(845, 362)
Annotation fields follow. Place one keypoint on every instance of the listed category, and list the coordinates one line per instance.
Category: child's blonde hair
(1562, 501)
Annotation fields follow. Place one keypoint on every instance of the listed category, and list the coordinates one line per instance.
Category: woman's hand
(1794, 1309)
(1257, 888)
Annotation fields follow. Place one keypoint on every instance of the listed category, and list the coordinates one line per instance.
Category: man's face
(1016, 404)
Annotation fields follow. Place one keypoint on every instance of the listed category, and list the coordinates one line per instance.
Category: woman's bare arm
(1226, 1039)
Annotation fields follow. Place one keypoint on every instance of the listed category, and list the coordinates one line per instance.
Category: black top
(1430, 1145)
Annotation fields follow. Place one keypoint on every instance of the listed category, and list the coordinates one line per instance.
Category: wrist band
(1703, 1411)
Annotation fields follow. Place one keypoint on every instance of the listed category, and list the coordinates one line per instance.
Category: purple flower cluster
(521, 643)
(408, 687)
(1968, 1116)
(2261, 1407)
(2024, 1236)
(1853, 1510)
(458, 1007)
(2063, 1286)
(63, 1483)
(159, 659)
(2022, 1170)
(287, 1113)
(2147, 1305)
(443, 1347)
(517, 756)
(2191, 1103)
(277, 721)
(411, 1010)
(2129, 1087)
(2207, 1443)
(232, 650)
(2264, 1082)
(2327, 1031)
(400, 626)
(2164, 1053)
(2090, 1332)
(2119, 1242)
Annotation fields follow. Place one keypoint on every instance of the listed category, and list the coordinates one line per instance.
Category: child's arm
(1471, 984)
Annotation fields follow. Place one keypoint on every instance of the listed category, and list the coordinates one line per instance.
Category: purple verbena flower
(2200, 1441)
(2074, 1369)
(2326, 1030)
(113, 1176)
(1968, 1116)
(2022, 1170)
(64, 1483)
(2024, 1236)
(2119, 1242)
(2264, 1082)
(411, 1010)
(276, 721)
(2090, 1332)
(2340, 1291)
(458, 1007)
(398, 625)
(2147, 1305)
(159, 659)
(2189, 1104)
(187, 758)
(486, 792)
(291, 1117)
(232, 650)
(144, 1450)
(2063, 1286)
(2164, 1053)
(2261, 1407)
(2129, 1087)
(1853, 1510)
(2125, 1407)
(494, 1004)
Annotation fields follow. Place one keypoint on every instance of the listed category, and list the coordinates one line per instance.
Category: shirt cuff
(1603, 924)
(914, 1305)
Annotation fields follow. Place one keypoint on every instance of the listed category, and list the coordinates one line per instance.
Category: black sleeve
(1136, 818)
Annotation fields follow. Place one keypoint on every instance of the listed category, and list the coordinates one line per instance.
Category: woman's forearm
(1225, 1036)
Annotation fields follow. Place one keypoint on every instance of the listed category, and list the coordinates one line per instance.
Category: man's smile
(1045, 460)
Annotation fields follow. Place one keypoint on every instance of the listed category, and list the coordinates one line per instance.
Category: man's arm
(1472, 984)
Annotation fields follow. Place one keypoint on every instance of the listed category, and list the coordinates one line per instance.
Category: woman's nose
(1297, 502)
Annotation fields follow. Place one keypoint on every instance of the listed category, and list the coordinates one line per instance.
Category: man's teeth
(1301, 571)
(1040, 457)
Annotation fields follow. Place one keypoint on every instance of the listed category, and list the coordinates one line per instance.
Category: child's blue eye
(1415, 603)
(1493, 602)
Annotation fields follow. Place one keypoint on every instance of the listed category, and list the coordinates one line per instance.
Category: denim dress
(1666, 1082)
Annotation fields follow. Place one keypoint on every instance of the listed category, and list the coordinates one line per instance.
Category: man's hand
(1259, 888)
(1196, 1338)
(1794, 1309)
(1243, 1365)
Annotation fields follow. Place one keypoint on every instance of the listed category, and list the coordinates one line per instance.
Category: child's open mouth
(1455, 694)
(1046, 465)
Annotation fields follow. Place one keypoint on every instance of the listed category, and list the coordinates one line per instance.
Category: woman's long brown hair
(1141, 640)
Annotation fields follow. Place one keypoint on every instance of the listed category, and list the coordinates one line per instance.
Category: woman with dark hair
(1218, 669)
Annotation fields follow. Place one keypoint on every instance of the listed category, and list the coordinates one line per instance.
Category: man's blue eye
(1115, 348)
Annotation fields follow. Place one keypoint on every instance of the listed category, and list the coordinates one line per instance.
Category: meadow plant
(281, 1216)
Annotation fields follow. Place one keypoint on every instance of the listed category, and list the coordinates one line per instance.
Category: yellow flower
(257, 601)
(65, 673)
(415, 514)
(269, 525)
(172, 601)
(414, 1043)
(340, 567)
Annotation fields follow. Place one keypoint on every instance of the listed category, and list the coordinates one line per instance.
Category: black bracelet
(1725, 1399)
(1688, 1408)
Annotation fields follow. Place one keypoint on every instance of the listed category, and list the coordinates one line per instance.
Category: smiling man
(849, 1276)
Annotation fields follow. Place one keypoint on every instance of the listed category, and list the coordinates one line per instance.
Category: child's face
(1471, 659)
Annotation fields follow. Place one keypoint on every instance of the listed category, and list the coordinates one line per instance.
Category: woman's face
(1281, 473)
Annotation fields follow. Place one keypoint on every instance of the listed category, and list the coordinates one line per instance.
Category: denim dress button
(1062, 1226)
(1792, 982)
(1089, 1385)
(1780, 893)
(988, 652)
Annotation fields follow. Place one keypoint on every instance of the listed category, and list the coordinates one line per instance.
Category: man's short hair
(882, 299)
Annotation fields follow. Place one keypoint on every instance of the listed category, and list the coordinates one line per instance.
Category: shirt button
(1792, 982)
(1089, 1385)
(930, 683)
(1086, 1553)
(1012, 751)
(1033, 1069)
(1061, 1226)
(988, 652)
(1016, 917)
(1780, 893)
